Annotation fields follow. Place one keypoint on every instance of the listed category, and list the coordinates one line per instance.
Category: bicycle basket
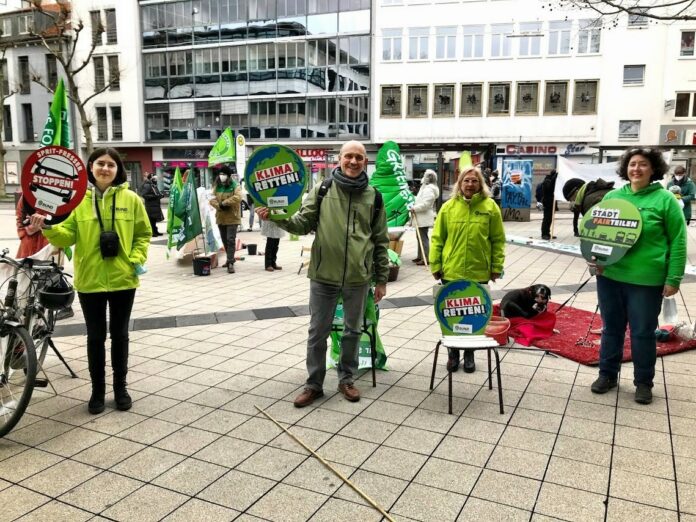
(56, 297)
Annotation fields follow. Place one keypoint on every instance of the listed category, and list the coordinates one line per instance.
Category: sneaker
(65, 313)
(307, 397)
(469, 363)
(350, 392)
(643, 394)
(417, 260)
(603, 384)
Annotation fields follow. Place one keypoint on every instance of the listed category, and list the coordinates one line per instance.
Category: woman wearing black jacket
(151, 194)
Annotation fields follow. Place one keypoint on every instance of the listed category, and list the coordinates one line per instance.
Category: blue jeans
(639, 307)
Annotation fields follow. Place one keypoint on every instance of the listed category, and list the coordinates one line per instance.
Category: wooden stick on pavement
(336, 472)
(420, 240)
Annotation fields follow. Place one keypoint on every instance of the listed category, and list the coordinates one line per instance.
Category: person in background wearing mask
(687, 188)
(424, 211)
(227, 201)
(152, 196)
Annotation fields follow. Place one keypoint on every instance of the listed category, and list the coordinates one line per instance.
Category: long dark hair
(654, 156)
(114, 155)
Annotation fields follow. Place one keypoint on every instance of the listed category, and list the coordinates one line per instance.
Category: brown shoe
(420, 263)
(350, 392)
(307, 397)
(269, 269)
(276, 267)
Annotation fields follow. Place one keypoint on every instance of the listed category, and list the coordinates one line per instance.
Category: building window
(7, 124)
(629, 129)
(530, 39)
(99, 81)
(687, 43)
(418, 41)
(585, 98)
(443, 100)
(51, 71)
(26, 24)
(527, 98)
(116, 123)
(114, 73)
(471, 99)
(445, 43)
(681, 110)
(391, 101)
(7, 27)
(417, 101)
(633, 74)
(28, 117)
(556, 101)
(500, 43)
(102, 126)
(24, 76)
(110, 15)
(498, 99)
(391, 45)
(97, 27)
(637, 20)
(589, 36)
(559, 37)
(473, 41)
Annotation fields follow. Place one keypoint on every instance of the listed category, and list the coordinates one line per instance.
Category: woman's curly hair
(654, 156)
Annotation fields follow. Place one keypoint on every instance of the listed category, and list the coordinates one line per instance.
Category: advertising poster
(517, 184)
(609, 230)
(275, 177)
(463, 308)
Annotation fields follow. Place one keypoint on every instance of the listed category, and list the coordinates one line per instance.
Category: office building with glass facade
(291, 70)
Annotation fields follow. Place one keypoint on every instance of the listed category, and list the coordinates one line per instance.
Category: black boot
(469, 364)
(96, 401)
(96, 361)
(119, 363)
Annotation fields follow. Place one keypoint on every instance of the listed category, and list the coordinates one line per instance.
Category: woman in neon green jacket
(106, 266)
(468, 242)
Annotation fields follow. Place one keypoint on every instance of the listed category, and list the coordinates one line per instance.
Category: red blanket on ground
(528, 331)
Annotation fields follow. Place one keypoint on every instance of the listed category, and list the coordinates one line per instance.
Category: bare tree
(5, 92)
(60, 35)
(610, 10)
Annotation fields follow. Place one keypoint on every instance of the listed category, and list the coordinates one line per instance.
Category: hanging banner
(54, 181)
(463, 308)
(275, 177)
(609, 230)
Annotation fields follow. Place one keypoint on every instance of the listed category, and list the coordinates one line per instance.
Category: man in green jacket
(349, 250)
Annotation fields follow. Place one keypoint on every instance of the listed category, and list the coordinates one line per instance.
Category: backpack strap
(324, 189)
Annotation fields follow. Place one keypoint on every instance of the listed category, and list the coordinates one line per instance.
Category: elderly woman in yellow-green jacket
(468, 242)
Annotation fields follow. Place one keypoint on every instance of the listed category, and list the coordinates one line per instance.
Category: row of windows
(24, 72)
(525, 39)
(103, 26)
(297, 118)
(497, 100)
(101, 81)
(17, 25)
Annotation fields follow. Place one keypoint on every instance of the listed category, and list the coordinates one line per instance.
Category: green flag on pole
(390, 179)
(57, 128)
(224, 150)
(186, 208)
(173, 222)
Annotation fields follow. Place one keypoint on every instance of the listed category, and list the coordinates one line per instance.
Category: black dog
(526, 302)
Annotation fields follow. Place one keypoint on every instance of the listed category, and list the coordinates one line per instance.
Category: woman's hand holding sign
(37, 221)
(594, 268)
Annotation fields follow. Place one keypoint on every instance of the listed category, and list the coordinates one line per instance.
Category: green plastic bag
(365, 360)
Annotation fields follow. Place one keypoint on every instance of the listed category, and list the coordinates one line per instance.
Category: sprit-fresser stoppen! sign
(609, 230)
(54, 181)
(463, 308)
(275, 177)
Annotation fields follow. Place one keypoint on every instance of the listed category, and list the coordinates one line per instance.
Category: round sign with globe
(275, 177)
(463, 307)
(608, 230)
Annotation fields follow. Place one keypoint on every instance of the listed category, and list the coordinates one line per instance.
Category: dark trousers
(94, 309)
(271, 254)
(228, 233)
(425, 251)
(546, 221)
(639, 307)
(153, 226)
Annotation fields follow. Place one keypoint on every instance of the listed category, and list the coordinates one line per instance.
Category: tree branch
(656, 11)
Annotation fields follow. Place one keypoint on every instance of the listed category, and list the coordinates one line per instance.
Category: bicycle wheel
(17, 375)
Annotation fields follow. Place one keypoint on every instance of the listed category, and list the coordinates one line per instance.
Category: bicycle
(27, 320)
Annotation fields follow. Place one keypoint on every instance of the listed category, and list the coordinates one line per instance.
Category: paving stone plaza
(205, 351)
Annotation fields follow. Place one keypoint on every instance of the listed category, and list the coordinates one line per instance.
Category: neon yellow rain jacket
(92, 273)
(468, 240)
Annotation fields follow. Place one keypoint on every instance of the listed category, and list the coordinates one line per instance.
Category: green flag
(224, 150)
(57, 128)
(186, 208)
(173, 222)
(390, 179)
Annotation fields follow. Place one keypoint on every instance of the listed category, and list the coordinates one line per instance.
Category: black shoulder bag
(108, 239)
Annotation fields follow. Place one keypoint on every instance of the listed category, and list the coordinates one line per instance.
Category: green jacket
(92, 273)
(688, 192)
(348, 246)
(468, 240)
(659, 255)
